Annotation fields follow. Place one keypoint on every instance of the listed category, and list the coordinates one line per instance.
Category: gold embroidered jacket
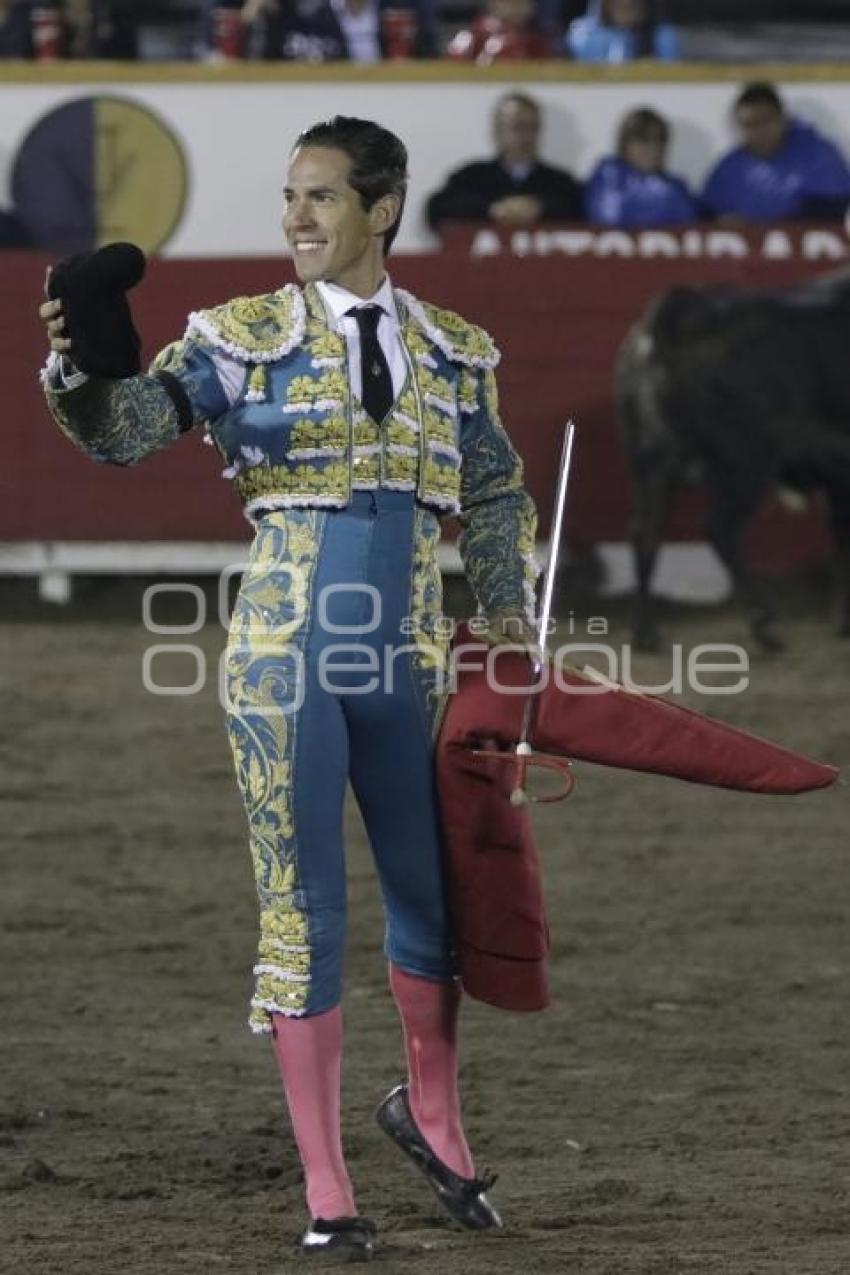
(295, 435)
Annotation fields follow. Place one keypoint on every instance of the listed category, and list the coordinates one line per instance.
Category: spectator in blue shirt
(619, 31)
(783, 170)
(631, 188)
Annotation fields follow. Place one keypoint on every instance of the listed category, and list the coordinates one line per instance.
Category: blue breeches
(334, 671)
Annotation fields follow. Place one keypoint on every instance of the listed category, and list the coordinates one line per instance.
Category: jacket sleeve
(826, 191)
(603, 202)
(666, 44)
(120, 422)
(466, 196)
(562, 198)
(498, 518)
(716, 197)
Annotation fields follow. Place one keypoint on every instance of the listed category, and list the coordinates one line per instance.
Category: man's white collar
(338, 300)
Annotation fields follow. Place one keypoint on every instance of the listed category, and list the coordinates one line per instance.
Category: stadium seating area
(707, 30)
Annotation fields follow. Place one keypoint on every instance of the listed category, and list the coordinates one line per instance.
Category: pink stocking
(429, 1014)
(309, 1055)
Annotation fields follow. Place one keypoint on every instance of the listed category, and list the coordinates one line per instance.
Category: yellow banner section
(417, 72)
(141, 178)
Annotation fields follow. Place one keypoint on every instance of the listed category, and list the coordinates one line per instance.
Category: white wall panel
(237, 135)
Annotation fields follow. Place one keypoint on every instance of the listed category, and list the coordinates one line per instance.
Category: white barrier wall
(236, 130)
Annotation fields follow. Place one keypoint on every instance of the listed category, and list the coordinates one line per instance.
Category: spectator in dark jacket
(311, 31)
(12, 232)
(515, 188)
(783, 168)
(619, 31)
(15, 29)
(632, 187)
(337, 30)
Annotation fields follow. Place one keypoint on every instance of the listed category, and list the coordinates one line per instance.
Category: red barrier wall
(558, 320)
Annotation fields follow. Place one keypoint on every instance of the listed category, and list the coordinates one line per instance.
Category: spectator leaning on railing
(506, 30)
(620, 31)
(632, 187)
(515, 188)
(783, 169)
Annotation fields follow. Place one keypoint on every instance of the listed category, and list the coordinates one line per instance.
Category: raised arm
(122, 420)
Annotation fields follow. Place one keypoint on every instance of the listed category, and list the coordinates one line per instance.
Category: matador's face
(332, 236)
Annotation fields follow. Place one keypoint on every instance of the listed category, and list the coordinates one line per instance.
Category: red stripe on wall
(558, 323)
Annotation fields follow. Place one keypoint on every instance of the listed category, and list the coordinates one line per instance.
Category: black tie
(377, 396)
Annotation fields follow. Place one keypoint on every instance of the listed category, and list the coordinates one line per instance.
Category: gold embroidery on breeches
(268, 625)
(268, 629)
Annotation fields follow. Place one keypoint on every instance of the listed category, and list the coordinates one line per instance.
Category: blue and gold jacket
(292, 433)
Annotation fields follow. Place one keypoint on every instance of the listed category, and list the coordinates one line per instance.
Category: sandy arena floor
(681, 1108)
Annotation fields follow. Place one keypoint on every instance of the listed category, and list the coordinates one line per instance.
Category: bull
(741, 390)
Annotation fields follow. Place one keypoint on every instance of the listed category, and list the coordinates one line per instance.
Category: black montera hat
(92, 287)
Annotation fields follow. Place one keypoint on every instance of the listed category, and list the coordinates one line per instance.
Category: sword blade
(555, 535)
(523, 748)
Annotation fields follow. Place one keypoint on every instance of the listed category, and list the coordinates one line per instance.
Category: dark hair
(638, 124)
(759, 93)
(521, 99)
(378, 160)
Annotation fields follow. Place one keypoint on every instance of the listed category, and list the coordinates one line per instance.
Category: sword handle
(519, 796)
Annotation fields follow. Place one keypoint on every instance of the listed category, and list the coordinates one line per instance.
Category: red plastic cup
(399, 28)
(46, 34)
(229, 34)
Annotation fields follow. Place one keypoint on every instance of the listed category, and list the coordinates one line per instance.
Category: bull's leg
(732, 505)
(656, 480)
(839, 515)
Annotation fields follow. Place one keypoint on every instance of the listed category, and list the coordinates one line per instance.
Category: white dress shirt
(518, 172)
(337, 300)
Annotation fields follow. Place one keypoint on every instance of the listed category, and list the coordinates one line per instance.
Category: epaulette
(253, 329)
(460, 341)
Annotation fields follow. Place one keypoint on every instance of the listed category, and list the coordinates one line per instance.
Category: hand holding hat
(88, 314)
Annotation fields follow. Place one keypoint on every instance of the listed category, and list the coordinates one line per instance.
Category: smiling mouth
(309, 245)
